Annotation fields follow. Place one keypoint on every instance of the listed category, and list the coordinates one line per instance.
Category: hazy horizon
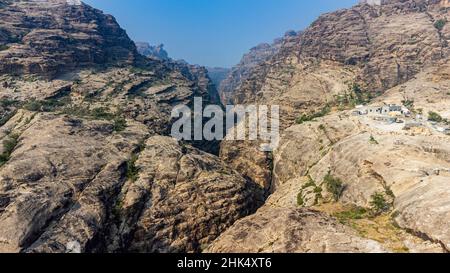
(213, 33)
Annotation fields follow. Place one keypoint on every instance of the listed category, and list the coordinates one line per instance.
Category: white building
(385, 110)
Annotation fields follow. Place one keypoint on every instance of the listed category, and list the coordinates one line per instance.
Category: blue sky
(213, 32)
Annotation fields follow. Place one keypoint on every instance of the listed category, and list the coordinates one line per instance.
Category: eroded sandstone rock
(290, 230)
(181, 201)
(49, 37)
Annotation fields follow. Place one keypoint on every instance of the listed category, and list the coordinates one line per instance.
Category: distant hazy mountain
(218, 74)
(148, 50)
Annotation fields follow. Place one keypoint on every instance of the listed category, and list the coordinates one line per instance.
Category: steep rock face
(91, 205)
(240, 72)
(398, 49)
(53, 36)
(377, 47)
(247, 158)
(99, 121)
(71, 145)
(183, 199)
(372, 48)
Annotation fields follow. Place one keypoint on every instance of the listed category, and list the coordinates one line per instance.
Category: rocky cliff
(384, 181)
(374, 46)
(344, 58)
(257, 55)
(85, 161)
(49, 37)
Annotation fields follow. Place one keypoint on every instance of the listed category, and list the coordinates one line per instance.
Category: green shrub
(300, 201)
(7, 103)
(137, 70)
(120, 124)
(379, 204)
(33, 105)
(15, 39)
(372, 140)
(4, 47)
(408, 103)
(132, 170)
(355, 95)
(118, 208)
(334, 185)
(9, 144)
(305, 118)
(77, 111)
(439, 24)
(101, 113)
(433, 116)
(356, 213)
(49, 105)
(6, 117)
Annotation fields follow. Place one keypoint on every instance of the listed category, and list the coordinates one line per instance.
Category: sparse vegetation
(15, 39)
(440, 24)
(137, 70)
(379, 204)
(380, 228)
(305, 118)
(77, 111)
(372, 140)
(300, 201)
(117, 209)
(6, 117)
(309, 184)
(120, 124)
(91, 97)
(9, 144)
(354, 96)
(355, 213)
(4, 47)
(433, 116)
(99, 113)
(132, 172)
(334, 185)
(8, 103)
(45, 105)
(408, 103)
(358, 93)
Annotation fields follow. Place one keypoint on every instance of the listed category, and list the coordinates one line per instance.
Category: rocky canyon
(87, 157)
